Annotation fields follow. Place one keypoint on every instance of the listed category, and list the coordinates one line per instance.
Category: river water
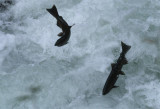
(35, 74)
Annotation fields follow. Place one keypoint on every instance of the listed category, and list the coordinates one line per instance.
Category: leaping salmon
(116, 70)
(66, 32)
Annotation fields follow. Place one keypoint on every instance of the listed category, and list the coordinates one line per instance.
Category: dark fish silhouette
(66, 32)
(116, 69)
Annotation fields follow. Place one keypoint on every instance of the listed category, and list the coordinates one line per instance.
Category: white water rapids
(35, 74)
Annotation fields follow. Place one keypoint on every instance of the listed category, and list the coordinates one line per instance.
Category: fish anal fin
(125, 61)
(115, 86)
(122, 73)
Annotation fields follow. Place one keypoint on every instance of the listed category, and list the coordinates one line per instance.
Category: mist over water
(35, 74)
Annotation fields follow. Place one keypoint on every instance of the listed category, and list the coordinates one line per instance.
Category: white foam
(35, 74)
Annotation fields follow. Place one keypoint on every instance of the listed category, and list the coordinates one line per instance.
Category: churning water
(35, 74)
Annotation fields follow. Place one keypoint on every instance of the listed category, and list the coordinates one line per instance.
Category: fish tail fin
(53, 11)
(125, 47)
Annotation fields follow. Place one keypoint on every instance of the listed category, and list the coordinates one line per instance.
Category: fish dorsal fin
(113, 64)
(122, 73)
(125, 61)
(115, 86)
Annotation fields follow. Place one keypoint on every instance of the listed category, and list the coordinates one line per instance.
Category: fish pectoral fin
(125, 61)
(60, 34)
(122, 73)
(113, 64)
(115, 86)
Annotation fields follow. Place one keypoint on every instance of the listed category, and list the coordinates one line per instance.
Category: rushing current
(35, 74)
